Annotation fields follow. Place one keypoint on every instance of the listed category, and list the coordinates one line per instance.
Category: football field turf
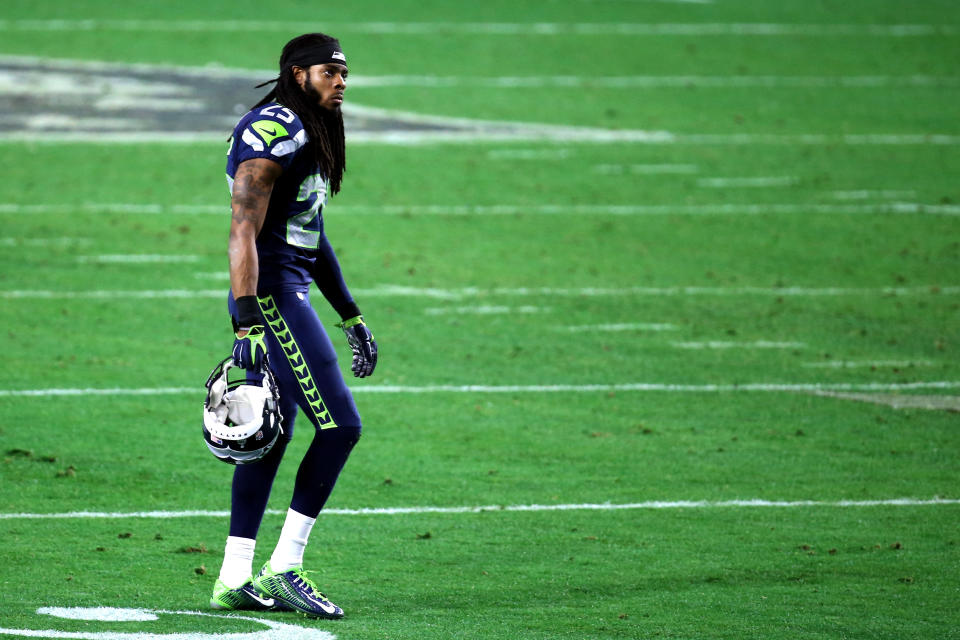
(667, 296)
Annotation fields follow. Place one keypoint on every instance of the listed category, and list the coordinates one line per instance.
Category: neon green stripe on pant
(297, 362)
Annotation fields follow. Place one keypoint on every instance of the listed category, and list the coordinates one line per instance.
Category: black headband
(316, 54)
(310, 55)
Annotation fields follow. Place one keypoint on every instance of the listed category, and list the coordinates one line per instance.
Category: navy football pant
(304, 363)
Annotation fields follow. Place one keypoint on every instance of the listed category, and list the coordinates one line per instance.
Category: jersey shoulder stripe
(292, 145)
(269, 130)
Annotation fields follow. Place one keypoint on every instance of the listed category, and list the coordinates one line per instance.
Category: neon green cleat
(243, 598)
(293, 589)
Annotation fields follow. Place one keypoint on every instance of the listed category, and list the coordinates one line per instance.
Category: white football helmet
(241, 418)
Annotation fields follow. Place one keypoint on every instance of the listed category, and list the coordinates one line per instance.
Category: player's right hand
(250, 349)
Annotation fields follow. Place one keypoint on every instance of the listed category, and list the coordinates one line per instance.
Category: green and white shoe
(243, 598)
(294, 589)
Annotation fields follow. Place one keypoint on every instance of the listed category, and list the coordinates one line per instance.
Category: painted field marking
(651, 387)
(645, 169)
(747, 182)
(137, 258)
(493, 28)
(529, 154)
(816, 139)
(728, 344)
(107, 207)
(9, 86)
(484, 310)
(725, 209)
(623, 326)
(474, 292)
(501, 132)
(866, 194)
(274, 629)
(101, 614)
(857, 364)
(605, 506)
(897, 401)
(103, 294)
(402, 291)
(656, 82)
(161, 90)
(655, 210)
(44, 242)
(222, 276)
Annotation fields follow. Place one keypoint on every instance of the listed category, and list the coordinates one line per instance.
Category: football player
(286, 158)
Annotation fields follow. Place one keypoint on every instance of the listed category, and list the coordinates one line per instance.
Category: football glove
(362, 344)
(249, 351)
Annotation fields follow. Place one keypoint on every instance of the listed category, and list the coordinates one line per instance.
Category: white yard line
(522, 508)
(815, 139)
(625, 326)
(529, 154)
(903, 208)
(105, 294)
(44, 242)
(727, 344)
(222, 276)
(747, 182)
(399, 291)
(137, 258)
(520, 132)
(867, 194)
(656, 82)
(484, 310)
(472, 292)
(114, 207)
(886, 208)
(653, 387)
(492, 28)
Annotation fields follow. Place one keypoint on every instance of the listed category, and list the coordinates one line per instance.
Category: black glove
(362, 344)
(250, 350)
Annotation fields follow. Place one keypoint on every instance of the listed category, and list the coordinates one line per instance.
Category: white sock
(292, 542)
(237, 561)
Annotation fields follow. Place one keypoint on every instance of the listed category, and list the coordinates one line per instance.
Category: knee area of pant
(343, 436)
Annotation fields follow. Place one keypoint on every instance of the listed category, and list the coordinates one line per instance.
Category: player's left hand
(362, 344)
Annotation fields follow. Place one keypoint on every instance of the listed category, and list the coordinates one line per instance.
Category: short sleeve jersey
(288, 242)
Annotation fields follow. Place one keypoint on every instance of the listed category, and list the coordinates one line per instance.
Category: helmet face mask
(241, 414)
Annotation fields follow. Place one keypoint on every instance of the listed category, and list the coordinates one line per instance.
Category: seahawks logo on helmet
(241, 415)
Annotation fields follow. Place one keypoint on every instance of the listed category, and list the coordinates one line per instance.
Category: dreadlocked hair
(324, 128)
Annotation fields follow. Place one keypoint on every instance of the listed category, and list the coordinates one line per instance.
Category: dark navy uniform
(293, 251)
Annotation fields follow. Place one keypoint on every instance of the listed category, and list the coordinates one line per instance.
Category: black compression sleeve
(329, 279)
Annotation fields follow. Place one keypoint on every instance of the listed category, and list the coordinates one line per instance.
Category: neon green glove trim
(352, 322)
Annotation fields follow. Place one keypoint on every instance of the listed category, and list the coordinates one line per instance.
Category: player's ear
(300, 75)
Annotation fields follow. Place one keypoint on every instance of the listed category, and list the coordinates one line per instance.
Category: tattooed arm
(252, 187)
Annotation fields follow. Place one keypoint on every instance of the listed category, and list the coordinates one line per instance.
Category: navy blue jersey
(292, 233)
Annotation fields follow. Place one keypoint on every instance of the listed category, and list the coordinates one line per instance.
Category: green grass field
(737, 341)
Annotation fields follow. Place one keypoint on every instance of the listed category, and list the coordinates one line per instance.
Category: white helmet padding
(241, 416)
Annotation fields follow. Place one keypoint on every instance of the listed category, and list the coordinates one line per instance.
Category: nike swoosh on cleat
(329, 607)
(267, 602)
